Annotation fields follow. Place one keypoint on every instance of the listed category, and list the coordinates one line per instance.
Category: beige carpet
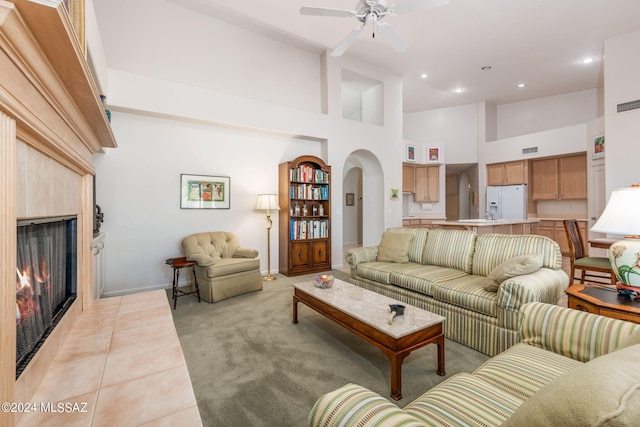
(250, 366)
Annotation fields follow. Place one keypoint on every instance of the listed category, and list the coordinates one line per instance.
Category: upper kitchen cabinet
(508, 173)
(427, 184)
(559, 178)
(408, 178)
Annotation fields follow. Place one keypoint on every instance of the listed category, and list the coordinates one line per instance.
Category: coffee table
(365, 313)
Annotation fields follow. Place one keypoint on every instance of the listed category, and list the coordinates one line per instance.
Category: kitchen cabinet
(559, 178)
(427, 184)
(418, 223)
(408, 178)
(508, 173)
(554, 229)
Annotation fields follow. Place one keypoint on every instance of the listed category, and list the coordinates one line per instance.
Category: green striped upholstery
(378, 271)
(545, 285)
(493, 249)
(468, 292)
(524, 369)
(421, 278)
(353, 405)
(576, 334)
(556, 341)
(464, 400)
(450, 248)
(417, 244)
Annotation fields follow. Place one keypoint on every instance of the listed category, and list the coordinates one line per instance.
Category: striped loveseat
(570, 368)
(447, 271)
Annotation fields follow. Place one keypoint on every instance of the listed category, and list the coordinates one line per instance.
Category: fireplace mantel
(51, 124)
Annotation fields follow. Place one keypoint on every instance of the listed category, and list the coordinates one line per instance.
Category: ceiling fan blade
(397, 42)
(323, 11)
(408, 6)
(346, 42)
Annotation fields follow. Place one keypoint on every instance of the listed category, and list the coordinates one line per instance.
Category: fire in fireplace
(45, 281)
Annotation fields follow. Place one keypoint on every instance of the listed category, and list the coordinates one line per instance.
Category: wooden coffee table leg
(440, 344)
(395, 360)
(295, 309)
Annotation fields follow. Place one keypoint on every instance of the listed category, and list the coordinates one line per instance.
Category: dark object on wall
(98, 220)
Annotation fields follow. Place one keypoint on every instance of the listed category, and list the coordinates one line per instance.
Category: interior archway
(363, 176)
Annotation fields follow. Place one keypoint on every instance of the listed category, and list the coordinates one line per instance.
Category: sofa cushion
(417, 244)
(450, 248)
(464, 400)
(467, 292)
(379, 271)
(202, 260)
(493, 249)
(516, 266)
(394, 247)
(226, 266)
(421, 278)
(524, 369)
(604, 392)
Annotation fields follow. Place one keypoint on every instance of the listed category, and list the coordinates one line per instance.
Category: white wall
(536, 115)
(622, 130)
(138, 188)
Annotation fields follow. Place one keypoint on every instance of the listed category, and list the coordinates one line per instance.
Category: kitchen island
(485, 226)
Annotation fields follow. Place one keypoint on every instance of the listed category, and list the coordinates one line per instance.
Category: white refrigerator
(507, 201)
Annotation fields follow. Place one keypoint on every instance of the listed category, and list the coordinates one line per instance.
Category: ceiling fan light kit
(370, 12)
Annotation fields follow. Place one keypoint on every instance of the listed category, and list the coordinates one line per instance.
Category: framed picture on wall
(433, 155)
(411, 153)
(598, 146)
(204, 192)
(350, 199)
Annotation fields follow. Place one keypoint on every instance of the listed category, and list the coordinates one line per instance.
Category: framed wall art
(411, 153)
(433, 155)
(76, 11)
(204, 192)
(598, 146)
(350, 199)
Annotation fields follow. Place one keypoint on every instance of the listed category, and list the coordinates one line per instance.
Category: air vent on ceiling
(628, 106)
(529, 150)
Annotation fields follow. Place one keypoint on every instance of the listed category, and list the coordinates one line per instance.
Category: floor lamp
(268, 202)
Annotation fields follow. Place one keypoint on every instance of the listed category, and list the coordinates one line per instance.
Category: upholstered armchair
(223, 269)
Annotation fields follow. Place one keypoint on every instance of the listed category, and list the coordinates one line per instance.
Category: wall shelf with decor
(305, 217)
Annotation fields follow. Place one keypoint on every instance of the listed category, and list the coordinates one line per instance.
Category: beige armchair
(223, 269)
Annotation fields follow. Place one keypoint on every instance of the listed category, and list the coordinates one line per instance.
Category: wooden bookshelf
(305, 217)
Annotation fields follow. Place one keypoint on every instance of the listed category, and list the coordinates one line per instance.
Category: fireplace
(45, 281)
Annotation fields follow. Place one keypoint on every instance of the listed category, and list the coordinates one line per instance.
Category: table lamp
(622, 216)
(268, 202)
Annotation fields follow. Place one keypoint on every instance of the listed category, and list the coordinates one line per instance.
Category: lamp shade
(621, 216)
(267, 202)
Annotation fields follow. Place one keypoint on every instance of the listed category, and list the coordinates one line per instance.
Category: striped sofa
(446, 274)
(570, 368)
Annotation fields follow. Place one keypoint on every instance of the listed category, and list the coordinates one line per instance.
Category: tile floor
(123, 359)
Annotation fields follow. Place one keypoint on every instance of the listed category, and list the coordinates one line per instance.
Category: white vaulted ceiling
(537, 42)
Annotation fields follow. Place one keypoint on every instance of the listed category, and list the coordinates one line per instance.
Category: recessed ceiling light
(423, 76)
(521, 85)
(458, 90)
(587, 60)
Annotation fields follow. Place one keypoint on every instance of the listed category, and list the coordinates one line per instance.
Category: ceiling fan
(371, 12)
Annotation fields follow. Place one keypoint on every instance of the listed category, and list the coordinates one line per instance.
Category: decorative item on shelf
(324, 280)
(268, 202)
(103, 99)
(314, 210)
(305, 211)
(296, 209)
(621, 217)
(321, 210)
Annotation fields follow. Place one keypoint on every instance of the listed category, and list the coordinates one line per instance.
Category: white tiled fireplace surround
(121, 356)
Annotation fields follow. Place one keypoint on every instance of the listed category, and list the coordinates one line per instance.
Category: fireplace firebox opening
(46, 277)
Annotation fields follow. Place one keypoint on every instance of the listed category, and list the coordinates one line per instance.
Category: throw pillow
(603, 392)
(516, 266)
(394, 247)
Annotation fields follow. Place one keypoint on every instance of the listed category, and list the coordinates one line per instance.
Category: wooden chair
(579, 260)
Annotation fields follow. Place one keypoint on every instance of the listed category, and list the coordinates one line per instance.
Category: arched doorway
(363, 222)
